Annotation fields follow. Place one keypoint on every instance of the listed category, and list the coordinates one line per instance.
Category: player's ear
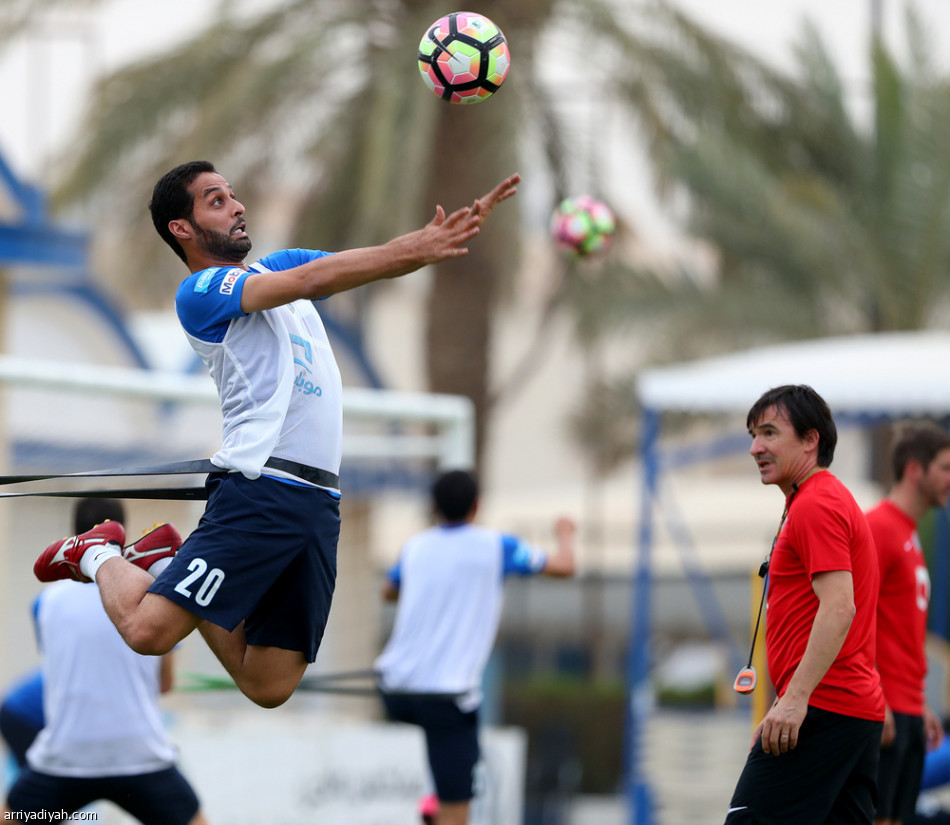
(180, 228)
(914, 469)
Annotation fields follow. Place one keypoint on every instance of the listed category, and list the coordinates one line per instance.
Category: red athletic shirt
(825, 531)
(901, 608)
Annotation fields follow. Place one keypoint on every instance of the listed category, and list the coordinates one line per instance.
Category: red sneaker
(429, 808)
(161, 542)
(61, 559)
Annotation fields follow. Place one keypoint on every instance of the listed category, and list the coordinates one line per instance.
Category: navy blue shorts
(902, 766)
(263, 553)
(18, 732)
(830, 777)
(160, 798)
(451, 740)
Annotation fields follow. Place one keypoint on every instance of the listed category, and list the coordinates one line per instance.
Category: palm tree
(316, 107)
(313, 108)
(805, 208)
(822, 217)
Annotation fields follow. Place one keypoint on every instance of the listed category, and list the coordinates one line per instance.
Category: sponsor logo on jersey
(204, 280)
(303, 352)
(227, 284)
(305, 386)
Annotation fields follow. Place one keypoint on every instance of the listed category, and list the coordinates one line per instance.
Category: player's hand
(444, 236)
(779, 729)
(565, 528)
(889, 731)
(504, 190)
(933, 729)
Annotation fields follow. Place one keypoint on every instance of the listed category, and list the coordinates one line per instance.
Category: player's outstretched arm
(442, 238)
(501, 192)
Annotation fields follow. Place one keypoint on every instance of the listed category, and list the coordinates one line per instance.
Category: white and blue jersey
(279, 384)
(451, 584)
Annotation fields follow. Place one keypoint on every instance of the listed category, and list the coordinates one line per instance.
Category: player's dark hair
(806, 410)
(454, 495)
(172, 201)
(92, 511)
(920, 441)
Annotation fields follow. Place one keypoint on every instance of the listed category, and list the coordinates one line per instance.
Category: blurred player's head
(173, 200)
(805, 410)
(454, 496)
(92, 511)
(921, 458)
(917, 442)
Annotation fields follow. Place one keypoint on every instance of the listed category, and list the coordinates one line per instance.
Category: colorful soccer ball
(583, 225)
(463, 57)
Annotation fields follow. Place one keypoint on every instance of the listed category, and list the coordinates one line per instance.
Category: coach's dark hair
(806, 410)
(92, 511)
(921, 441)
(454, 494)
(171, 200)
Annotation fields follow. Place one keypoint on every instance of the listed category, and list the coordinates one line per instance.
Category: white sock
(95, 557)
(156, 569)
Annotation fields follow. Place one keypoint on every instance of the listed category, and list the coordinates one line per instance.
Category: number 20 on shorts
(210, 581)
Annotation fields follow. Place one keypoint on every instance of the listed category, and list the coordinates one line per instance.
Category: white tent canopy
(884, 374)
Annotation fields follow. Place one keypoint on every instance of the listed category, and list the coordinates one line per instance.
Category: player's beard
(223, 247)
(934, 495)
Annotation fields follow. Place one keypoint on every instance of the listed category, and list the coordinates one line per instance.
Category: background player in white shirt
(449, 581)
(104, 738)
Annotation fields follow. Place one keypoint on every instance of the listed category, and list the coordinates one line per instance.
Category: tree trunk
(473, 155)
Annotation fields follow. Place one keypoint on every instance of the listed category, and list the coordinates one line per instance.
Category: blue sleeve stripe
(520, 558)
(209, 300)
(290, 258)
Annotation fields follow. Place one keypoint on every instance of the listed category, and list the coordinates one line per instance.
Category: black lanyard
(747, 678)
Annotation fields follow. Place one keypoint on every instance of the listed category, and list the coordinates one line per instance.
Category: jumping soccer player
(814, 756)
(257, 575)
(449, 582)
(920, 460)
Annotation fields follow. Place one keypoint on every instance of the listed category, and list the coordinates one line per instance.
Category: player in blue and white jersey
(257, 575)
(449, 581)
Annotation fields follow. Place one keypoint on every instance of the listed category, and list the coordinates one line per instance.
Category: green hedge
(573, 716)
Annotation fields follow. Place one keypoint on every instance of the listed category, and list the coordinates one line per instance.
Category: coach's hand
(779, 729)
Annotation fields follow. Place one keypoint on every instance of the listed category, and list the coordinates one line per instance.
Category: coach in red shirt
(814, 757)
(921, 463)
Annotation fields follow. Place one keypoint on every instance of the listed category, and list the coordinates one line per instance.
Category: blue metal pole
(941, 567)
(639, 697)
